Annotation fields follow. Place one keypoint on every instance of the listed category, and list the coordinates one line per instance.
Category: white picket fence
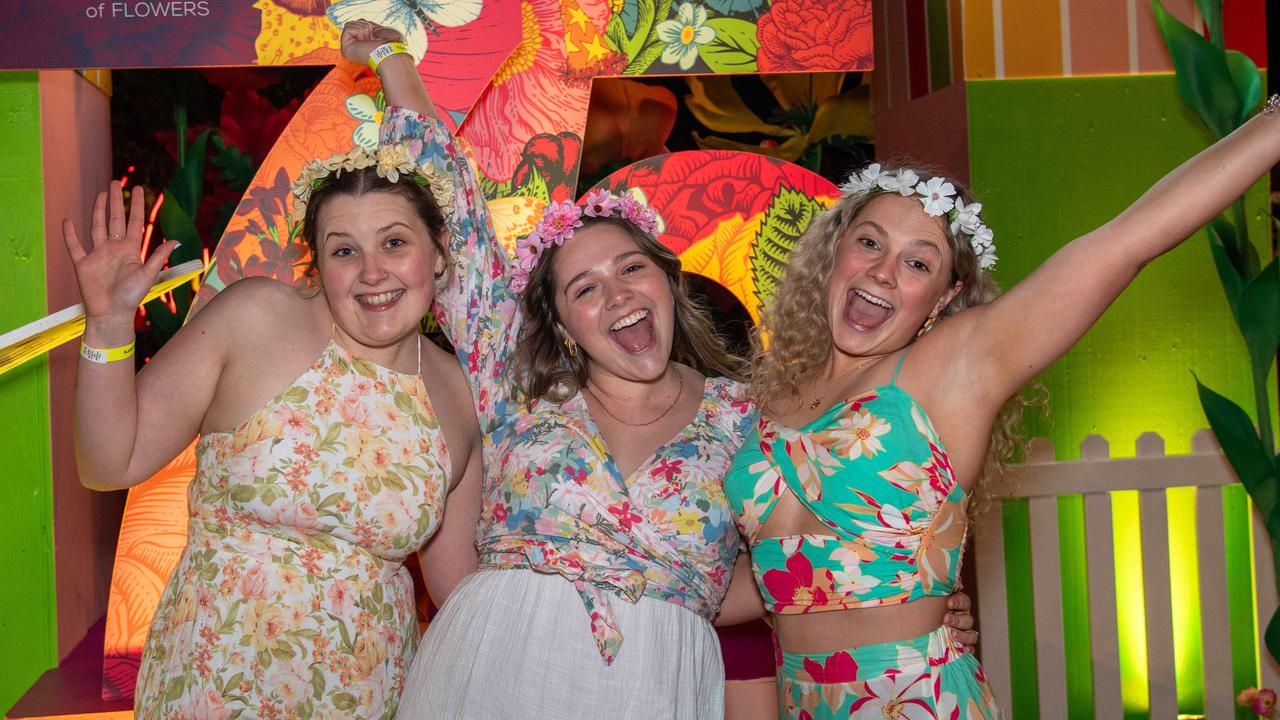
(1095, 476)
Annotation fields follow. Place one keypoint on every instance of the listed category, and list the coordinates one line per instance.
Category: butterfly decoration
(413, 18)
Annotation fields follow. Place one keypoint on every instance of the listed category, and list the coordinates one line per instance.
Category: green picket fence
(1125, 588)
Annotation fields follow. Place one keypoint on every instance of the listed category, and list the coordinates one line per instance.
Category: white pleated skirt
(516, 643)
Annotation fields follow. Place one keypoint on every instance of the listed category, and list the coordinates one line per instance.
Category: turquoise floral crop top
(873, 470)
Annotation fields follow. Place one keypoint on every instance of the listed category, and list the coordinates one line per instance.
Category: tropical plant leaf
(1211, 11)
(643, 59)
(1204, 81)
(734, 48)
(187, 185)
(785, 220)
(235, 165)
(1239, 440)
(1248, 83)
(715, 103)
(1260, 319)
(802, 90)
(1227, 273)
(848, 114)
(1272, 636)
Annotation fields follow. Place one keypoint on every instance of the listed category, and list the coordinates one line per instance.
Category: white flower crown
(938, 197)
(391, 162)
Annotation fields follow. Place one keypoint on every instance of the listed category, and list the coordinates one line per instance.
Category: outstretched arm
(1004, 344)
(474, 302)
(126, 428)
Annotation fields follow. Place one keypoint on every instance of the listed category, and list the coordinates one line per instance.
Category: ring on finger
(115, 236)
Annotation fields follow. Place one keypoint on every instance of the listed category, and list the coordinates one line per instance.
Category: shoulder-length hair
(544, 368)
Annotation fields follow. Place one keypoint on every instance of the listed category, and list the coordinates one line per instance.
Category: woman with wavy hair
(610, 413)
(890, 357)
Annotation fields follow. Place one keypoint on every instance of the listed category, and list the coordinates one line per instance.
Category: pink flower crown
(559, 220)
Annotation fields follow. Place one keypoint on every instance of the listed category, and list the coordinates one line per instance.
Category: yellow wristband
(382, 52)
(106, 355)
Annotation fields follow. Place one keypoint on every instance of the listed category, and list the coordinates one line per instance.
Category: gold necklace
(817, 399)
(679, 393)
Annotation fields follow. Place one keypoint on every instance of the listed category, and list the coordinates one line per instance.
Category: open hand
(113, 279)
(361, 37)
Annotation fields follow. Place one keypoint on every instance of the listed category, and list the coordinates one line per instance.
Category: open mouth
(380, 301)
(634, 331)
(865, 311)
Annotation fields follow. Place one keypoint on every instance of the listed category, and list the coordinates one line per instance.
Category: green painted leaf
(1204, 81)
(785, 220)
(535, 186)
(644, 58)
(1260, 319)
(1240, 443)
(734, 48)
(1248, 83)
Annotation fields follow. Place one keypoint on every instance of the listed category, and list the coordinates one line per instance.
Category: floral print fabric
(930, 677)
(291, 599)
(874, 471)
(553, 499)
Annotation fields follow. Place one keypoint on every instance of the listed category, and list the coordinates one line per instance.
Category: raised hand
(113, 279)
(361, 37)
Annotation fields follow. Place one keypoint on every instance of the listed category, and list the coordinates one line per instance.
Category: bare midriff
(831, 630)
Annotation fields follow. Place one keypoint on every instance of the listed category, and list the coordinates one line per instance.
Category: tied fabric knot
(604, 622)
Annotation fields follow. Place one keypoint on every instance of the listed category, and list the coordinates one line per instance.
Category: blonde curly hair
(799, 332)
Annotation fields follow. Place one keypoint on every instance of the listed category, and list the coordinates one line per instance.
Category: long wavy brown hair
(799, 332)
(545, 370)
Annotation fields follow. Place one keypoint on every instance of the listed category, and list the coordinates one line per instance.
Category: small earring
(928, 325)
(571, 346)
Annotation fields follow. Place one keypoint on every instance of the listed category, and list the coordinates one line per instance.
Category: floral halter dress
(291, 599)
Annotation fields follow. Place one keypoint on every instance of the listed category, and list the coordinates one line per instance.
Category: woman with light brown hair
(890, 358)
(610, 413)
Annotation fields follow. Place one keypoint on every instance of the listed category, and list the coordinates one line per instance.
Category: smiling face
(377, 263)
(615, 302)
(893, 269)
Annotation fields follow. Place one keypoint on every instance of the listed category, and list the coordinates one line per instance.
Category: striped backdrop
(924, 45)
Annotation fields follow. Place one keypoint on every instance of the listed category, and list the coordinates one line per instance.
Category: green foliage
(786, 219)
(1223, 87)
(734, 48)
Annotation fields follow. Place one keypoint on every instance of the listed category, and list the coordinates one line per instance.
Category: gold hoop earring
(571, 346)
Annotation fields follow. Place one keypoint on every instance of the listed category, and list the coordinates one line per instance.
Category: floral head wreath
(559, 220)
(938, 197)
(391, 162)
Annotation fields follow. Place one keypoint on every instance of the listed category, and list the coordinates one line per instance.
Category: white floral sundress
(291, 599)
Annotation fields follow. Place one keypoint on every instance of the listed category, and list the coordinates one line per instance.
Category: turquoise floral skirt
(927, 677)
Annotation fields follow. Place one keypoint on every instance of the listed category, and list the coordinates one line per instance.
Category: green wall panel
(1052, 159)
(28, 637)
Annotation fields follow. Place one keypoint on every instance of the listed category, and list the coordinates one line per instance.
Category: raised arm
(127, 427)
(474, 302)
(1004, 344)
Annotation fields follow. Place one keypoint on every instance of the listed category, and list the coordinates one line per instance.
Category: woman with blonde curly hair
(890, 357)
